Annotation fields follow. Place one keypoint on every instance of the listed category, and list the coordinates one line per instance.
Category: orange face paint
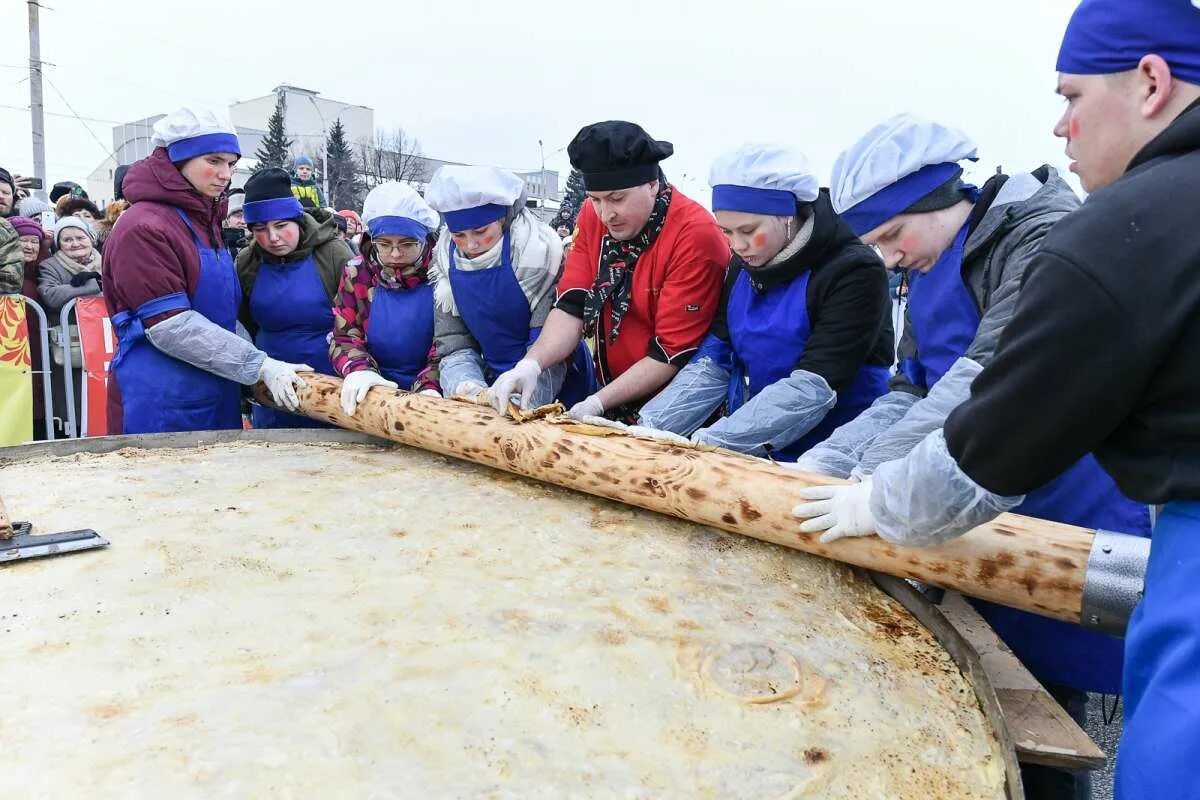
(1073, 128)
(760, 239)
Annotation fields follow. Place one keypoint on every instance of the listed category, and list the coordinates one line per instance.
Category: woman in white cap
(289, 276)
(965, 251)
(802, 341)
(495, 271)
(74, 268)
(383, 313)
(172, 292)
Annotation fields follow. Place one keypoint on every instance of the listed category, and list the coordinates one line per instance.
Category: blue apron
(289, 304)
(1160, 745)
(161, 394)
(945, 319)
(496, 312)
(768, 332)
(400, 332)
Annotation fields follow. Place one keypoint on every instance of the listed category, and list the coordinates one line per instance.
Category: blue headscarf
(1110, 36)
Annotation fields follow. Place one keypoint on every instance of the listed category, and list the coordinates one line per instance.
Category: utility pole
(36, 107)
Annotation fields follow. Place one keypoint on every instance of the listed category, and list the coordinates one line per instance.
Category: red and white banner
(98, 343)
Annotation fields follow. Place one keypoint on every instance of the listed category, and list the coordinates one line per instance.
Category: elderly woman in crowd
(74, 268)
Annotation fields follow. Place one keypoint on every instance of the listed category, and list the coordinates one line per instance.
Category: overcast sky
(482, 82)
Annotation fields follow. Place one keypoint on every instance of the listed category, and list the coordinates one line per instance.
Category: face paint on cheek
(488, 241)
(759, 240)
(1073, 128)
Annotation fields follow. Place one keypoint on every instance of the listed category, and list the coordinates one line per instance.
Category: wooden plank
(1041, 729)
(1026, 563)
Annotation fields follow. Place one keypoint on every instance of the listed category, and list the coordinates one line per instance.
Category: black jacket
(1103, 353)
(848, 304)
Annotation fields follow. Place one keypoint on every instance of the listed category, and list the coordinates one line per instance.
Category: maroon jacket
(150, 252)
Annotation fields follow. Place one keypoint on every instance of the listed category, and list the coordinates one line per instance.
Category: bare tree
(393, 156)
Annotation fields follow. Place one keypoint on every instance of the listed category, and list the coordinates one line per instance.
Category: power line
(25, 110)
(86, 127)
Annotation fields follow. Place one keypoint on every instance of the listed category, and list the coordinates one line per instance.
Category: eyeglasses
(404, 248)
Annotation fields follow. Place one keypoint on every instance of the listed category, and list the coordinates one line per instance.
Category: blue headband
(467, 218)
(397, 226)
(891, 200)
(203, 145)
(752, 200)
(1109, 36)
(272, 209)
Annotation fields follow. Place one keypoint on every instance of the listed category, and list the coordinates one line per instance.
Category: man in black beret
(643, 278)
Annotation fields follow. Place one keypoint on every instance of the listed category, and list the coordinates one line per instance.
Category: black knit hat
(616, 155)
(944, 196)
(6, 177)
(269, 197)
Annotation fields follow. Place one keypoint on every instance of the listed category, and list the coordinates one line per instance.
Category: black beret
(616, 155)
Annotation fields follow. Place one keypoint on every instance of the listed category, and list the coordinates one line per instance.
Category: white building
(307, 120)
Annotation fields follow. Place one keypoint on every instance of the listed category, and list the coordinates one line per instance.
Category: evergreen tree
(345, 185)
(273, 152)
(572, 200)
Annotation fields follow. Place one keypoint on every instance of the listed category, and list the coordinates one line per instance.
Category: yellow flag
(16, 373)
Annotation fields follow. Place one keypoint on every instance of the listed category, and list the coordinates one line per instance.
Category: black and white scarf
(614, 278)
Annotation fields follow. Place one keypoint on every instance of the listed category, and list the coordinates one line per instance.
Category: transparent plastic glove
(925, 498)
(927, 415)
(282, 381)
(839, 511)
(838, 455)
(689, 399)
(588, 407)
(521, 379)
(654, 433)
(774, 418)
(357, 384)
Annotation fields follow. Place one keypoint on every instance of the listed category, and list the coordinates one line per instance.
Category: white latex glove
(840, 511)
(588, 407)
(282, 381)
(521, 379)
(468, 389)
(430, 393)
(357, 384)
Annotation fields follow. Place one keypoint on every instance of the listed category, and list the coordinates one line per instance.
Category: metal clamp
(1113, 584)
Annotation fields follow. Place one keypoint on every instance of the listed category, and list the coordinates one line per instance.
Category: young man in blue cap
(173, 294)
(1102, 355)
(966, 252)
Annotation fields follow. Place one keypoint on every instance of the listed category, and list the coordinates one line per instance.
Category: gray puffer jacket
(1017, 212)
(1022, 210)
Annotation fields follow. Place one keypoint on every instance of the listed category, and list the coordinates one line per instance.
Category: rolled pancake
(344, 620)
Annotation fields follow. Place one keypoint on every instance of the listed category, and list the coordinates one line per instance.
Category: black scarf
(614, 278)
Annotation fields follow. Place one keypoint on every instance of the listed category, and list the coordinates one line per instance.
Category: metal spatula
(18, 541)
